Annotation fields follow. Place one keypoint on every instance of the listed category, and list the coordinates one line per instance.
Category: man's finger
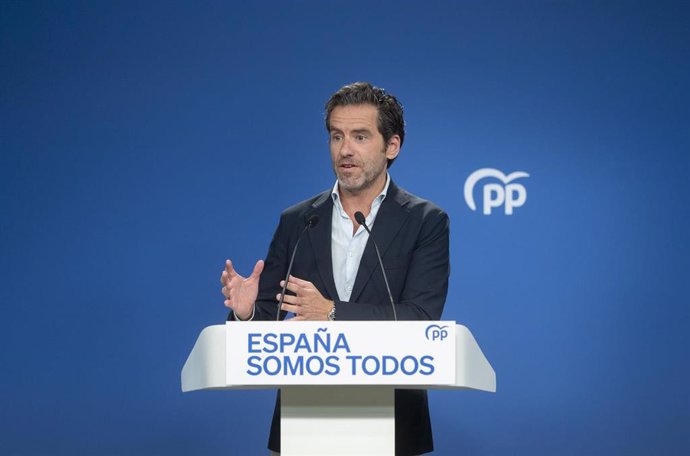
(291, 286)
(299, 282)
(289, 308)
(258, 268)
(228, 267)
(289, 299)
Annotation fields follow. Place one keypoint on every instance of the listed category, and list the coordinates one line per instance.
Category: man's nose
(345, 147)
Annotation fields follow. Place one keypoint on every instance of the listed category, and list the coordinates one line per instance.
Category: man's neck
(361, 201)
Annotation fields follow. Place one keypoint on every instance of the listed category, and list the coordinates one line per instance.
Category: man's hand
(240, 293)
(308, 303)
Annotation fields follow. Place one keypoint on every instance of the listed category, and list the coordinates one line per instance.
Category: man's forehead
(359, 116)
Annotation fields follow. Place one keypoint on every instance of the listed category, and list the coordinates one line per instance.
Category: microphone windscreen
(360, 218)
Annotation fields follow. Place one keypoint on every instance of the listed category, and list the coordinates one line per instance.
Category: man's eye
(360, 137)
(336, 138)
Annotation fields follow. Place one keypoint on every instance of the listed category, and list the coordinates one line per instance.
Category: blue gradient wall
(142, 143)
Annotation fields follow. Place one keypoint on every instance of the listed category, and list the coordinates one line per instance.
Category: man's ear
(393, 147)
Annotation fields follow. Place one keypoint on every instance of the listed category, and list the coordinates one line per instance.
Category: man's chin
(350, 185)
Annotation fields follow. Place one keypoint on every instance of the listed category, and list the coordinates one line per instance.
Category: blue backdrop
(143, 143)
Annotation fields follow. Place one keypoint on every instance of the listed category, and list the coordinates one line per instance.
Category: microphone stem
(385, 279)
(359, 217)
(311, 222)
(287, 276)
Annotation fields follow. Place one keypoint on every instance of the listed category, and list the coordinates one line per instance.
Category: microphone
(310, 222)
(359, 217)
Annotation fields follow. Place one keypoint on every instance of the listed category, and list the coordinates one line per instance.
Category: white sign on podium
(341, 353)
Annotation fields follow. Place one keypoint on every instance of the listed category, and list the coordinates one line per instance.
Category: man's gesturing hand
(240, 293)
(307, 303)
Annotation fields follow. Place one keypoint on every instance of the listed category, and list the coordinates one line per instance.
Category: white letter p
(494, 195)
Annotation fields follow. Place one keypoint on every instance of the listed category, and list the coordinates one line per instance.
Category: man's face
(358, 152)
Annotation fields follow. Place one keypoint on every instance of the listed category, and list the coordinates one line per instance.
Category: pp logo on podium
(436, 332)
(510, 195)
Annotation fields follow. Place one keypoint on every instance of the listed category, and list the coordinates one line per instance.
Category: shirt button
(349, 288)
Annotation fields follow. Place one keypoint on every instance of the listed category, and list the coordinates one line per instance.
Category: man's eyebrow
(356, 131)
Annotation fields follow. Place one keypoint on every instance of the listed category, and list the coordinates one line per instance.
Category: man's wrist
(251, 317)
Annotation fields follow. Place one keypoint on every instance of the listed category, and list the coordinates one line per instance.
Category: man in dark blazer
(366, 131)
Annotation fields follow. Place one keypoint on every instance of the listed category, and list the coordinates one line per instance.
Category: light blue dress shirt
(346, 248)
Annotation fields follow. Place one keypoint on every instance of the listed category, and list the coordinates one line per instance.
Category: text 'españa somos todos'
(324, 353)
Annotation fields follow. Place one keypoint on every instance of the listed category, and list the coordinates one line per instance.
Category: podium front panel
(340, 353)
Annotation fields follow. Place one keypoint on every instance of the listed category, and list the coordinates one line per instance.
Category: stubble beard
(364, 181)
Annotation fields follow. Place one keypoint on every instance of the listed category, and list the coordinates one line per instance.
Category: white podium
(337, 379)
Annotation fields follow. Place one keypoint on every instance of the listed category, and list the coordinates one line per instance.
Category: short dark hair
(390, 110)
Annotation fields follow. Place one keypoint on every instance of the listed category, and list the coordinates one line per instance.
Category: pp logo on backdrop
(436, 332)
(510, 195)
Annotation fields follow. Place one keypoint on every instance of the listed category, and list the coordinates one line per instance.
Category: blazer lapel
(320, 238)
(389, 220)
